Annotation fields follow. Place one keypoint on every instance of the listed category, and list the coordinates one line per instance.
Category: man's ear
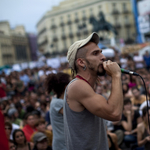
(80, 62)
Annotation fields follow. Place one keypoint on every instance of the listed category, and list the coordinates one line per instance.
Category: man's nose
(103, 57)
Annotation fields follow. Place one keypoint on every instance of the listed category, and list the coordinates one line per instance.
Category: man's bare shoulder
(79, 88)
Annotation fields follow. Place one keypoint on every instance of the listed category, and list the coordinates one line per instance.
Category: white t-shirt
(144, 104)
(123, 62)
(14, 127)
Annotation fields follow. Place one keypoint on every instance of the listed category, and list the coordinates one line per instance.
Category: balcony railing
(115, 12)
(62, 24)
(85, 32)
(69, 22)
(117, 26)
(71, 35)
(127, 25)
(76, 20)
(55, 39)
(126, 11)
(63, 36)
(84, 18)
(78, 33)
(43, 43)
(53, 27)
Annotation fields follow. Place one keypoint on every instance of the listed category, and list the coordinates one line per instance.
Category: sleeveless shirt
(83, 130)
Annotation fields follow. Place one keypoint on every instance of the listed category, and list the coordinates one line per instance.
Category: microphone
(129, 72)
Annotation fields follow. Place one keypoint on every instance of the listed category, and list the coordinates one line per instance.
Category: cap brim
(41, 138)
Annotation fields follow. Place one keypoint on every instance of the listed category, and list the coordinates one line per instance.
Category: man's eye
(95, 53)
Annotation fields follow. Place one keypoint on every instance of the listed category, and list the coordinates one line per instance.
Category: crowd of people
(32, 106)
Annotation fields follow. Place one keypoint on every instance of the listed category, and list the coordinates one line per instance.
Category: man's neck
(91, 79)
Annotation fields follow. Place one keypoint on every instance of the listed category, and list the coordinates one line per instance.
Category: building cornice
(71, 9)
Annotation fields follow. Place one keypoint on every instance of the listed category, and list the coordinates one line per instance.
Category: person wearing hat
(40, 142)
(13, 114)
(84, 110)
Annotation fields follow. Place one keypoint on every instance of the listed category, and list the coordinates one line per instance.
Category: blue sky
(25, 12)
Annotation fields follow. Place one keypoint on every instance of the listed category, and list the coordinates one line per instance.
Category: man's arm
(81, 92)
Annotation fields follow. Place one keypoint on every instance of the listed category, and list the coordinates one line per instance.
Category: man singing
(84, 110)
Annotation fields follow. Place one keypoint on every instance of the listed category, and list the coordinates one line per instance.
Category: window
(124, 6)
(68, 17)
(21, 53)
(126, 18)
(61, 18)
(76, 14)
(114, 5)
(116, 19)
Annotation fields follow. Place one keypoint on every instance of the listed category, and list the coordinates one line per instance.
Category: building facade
(14, 45)
(70, 21)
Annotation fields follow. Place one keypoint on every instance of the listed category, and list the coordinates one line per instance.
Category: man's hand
(112, 68)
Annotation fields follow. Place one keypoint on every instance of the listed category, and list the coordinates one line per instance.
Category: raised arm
(110, 109)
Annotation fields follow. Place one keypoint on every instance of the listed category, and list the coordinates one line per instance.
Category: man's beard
(99, 73)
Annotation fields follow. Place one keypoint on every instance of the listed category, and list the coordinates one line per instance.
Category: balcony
(117, 26)
(76, 20)
(85, 32)
(43, 43)
(126, 11)
(55, 39)
(71, 35)
(62, 24)
(53, 27)
(115, 12)
(127, 25)
(78, 33)
(63, 37)
(42, 31)
(84, 18)
(69, 22)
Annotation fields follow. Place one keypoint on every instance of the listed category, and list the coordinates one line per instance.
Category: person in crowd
(123, 61)
(132, 81)
(40, 142)
(43, 109)
(8, 129)
(84, 110)
(12, 145)
(139, 61)
(29, 128)
(3, 137)
(2, 89)
(20, 141)
(37, 116)
(143, 132)
(112, 141)
(127, 92)
(41, 127)
(13, 114)
(147, 60)
(57, 83)
(129, 121)
(21, 112)
(137, 98)
(14, 126)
